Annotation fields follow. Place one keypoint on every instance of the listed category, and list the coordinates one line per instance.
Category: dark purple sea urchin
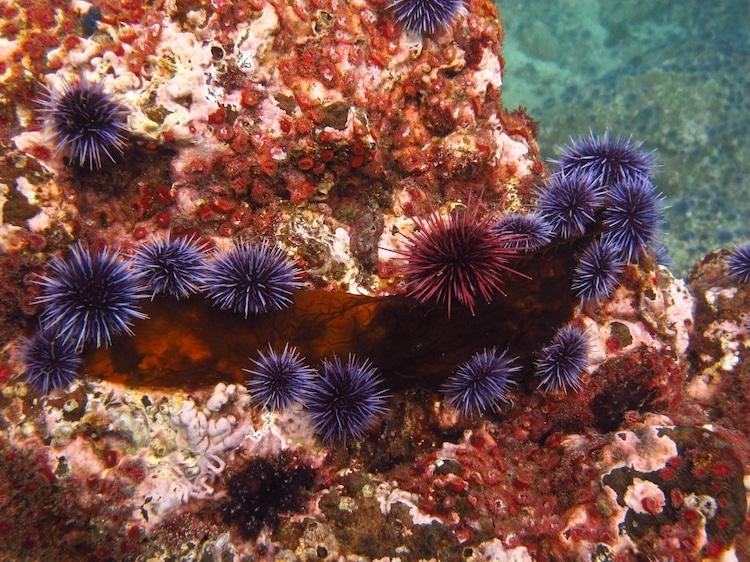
(279, 379)
(345, 399)
(569, 202)
(561, 363)
(251, 279)
(632, 216)
(457, 259)
(608, 160)
(738, 263)
(531, 231)
(425, 16)
(49, 363)
(86, 122)
(90, 298)
(480, 383)
(169, 266)
(598, 271)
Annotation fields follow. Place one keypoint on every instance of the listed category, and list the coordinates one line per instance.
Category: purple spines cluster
(251, 279)
(49, 363)
(560, 364)
(86, 123)
(279, 379)
(170, 266)
(527, 232)
(345, 399)
(569, 202)
(424, 17)
(631, 216)
(481, 383)
(90, 298)
(738, 263)
(607, 160)
(603, 185)
(457, 259)
(598, 272)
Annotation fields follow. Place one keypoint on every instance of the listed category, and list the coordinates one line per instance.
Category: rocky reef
(359, 172)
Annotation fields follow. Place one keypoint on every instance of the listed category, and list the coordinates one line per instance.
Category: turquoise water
(675, 75)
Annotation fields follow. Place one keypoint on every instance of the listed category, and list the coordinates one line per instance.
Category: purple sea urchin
(279, 379)
(481, 382)
(531, 231)
(738, 263)
(598, 272)
(632, 216)
(425, 16)
(86, 122)
(345, 399)
(252, 279)
(608, 160)
(561, 363)
(457, 259)
(90, 298)
(49, 363)
(171, 266)
(569, 202)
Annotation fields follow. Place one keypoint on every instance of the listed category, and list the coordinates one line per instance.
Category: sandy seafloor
(673, 74)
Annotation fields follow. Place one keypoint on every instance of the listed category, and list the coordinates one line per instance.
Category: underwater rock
(327, 130)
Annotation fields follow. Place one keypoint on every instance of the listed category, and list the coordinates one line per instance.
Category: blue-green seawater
(673, 74)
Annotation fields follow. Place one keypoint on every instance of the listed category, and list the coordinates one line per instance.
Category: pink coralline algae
(325, 139)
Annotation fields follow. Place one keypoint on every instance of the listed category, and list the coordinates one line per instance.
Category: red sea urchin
(460, 258)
